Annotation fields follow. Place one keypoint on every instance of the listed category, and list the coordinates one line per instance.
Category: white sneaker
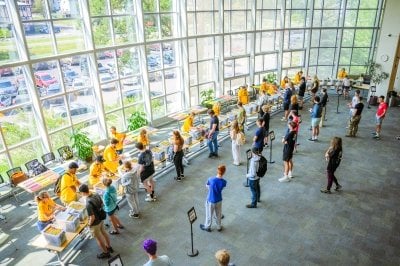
(149, 198)
(284, 179)
(290, 175)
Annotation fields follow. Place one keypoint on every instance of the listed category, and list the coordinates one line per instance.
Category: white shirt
(162, 260)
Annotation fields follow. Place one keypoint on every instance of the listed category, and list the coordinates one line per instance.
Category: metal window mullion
(280, 54)
(308, 46)
(375, 31)
(339, 39)
(51, 32)
(219, 57)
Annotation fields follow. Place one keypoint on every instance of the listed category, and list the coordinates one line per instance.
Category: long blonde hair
(235, 126)
(293, 99)
(143, 133)
(178, 140)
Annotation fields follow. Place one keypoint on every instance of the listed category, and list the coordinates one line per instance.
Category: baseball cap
(73, 165)
(150, 246)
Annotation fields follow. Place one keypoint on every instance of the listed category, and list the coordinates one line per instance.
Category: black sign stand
(339, 93)
(373, 90)
(271, 138)
(192, 217)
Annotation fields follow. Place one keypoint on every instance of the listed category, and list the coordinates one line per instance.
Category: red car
(44, 79)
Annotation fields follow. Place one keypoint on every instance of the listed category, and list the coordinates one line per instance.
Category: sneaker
(250, 206)
(327, 191)
(376, 137)
(215, 155)
(283, 119)
(202, 227)
(311, 139)
(373, 133)
(338, 187)
(135, 216)
(182, 176)
(103, 255)
(210, 155)
(179, 179)
(290, 175)
(219, 229)
(149, 198)
(110, 250)
(284, 179)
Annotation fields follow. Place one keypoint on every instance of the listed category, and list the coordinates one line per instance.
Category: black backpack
(98, 211)
(262, 166)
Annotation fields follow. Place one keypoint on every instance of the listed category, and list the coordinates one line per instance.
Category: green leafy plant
(82, 145)
(374, 70)
(206, 96)
(271, 78)
(136, 120)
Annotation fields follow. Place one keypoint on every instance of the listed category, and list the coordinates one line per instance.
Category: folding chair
(13, 171)
(34, 167)
(65, 152)
(6, 189)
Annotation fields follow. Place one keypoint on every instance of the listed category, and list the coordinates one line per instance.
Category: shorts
(378, 120)
(111, 213)
(287, 156)
(346, 88)
(286, 106)
(315, 122)
(147, 178)
(98, 230)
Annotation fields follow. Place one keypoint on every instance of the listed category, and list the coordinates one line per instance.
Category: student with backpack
(97, 215)
(146, 171)
(254, 178)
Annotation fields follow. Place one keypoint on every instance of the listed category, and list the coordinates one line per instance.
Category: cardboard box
(53, 235)
(69, 222)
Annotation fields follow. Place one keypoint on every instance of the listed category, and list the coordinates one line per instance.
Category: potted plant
(375, 72)
(82, 145)
(207, 96)
(136, 120)
(270, 78)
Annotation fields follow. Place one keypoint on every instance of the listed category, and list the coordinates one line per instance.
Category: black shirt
(302, 89)
(93, 204)
(290, 139)
(335, 157)
(266, 118)
(324, 100)
(295, 107)
(214, 120)
(359, 107)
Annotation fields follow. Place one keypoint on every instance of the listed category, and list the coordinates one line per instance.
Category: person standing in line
(263, 99)
(150, 246)
(354, 101)
(316, 112)
(253, 179)
(259, 136)
(69, 184)
(222, 256)
(215, 186)
(380, 115)
(119, 147)
(266, 118)
(284, 82)
(323, 103)
(235, 146)
(294, 105)
(96, 225)
(45, 209)
(355, 119)
(111, 157)
(346, 87)
(333, 156)
(212, 137)
(177, 142)
(297, 77)
(286, 102)
(293, 116)
(289, 141)
(130, 182)
(302, 91)
(146, 171)
(111, 205)
(315, 88)
(241, 118)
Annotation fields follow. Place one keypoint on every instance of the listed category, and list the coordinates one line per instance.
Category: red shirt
(381, 109)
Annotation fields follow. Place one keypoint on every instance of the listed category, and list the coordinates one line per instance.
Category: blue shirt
(110, 199)
(316, 111)
(260, 134)
(215, 186)
(214, 120)
(287, 95)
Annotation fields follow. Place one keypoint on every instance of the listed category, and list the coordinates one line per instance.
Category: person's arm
(212, 130)
(328, 153)
(384, 112)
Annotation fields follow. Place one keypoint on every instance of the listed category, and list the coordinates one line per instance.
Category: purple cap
(150, 246)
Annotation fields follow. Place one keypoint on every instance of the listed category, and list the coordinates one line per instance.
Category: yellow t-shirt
(145, 140)
(263, 87)
(68, 194)
(95, 173)
(120, 137)
(187, 124)
(243, 96)
(271, 89)
(283, 83)
(342, 74)
(297, 78)
(217, 108)
(111, 159)
(45, 209)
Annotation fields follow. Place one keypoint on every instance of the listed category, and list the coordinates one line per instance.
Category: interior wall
(388, 42)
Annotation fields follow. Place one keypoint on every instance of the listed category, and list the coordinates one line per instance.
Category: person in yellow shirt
(217, 108)
(120, 137)
(69, 184)
(264, 86)
(188, 123)
(297, 77)
(111, 157)
(243, 95)
(284, 82)
(46, 208)
(144, 138)
(96, 170)
(342, 73)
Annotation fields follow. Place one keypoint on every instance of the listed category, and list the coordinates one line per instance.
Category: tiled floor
(295, 224)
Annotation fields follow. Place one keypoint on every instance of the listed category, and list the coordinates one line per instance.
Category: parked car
(137, 93)
(76, 110)
(169, 74)
(105, 78)
(51, 90)
(8, 88)
(153, 60)
(82, 85)
(45, 29)
(23, 95)
(44, 66)
(75, 61)
(7, 71)
(69, 77)
(6, 100)
(44, 79)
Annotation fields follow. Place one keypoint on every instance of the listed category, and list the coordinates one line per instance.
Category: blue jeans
(213, 143)
(255, 191)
